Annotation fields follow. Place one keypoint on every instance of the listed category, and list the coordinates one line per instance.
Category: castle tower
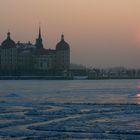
(39, 42)
(9, 55)
(62, 55)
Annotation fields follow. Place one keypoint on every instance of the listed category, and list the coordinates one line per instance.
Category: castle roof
(8, 43)
(62, 45)
(44, 51)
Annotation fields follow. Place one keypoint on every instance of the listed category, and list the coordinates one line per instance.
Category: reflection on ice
(138, 98)
(138, 95)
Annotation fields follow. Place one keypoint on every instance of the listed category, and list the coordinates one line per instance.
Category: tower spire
(8, 35)
(39, 42)
(39, 36)
(62, 36)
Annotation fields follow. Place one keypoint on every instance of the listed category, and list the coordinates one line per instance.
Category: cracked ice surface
(105, 109)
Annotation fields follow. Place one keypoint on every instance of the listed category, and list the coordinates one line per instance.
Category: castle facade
(34, 59)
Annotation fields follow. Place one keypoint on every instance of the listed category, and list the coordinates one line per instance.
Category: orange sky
(102, 33)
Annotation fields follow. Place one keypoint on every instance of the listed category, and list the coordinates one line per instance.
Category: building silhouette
(34, 59)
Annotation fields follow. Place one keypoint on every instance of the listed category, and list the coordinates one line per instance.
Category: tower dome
(62, 45)
(8, 43)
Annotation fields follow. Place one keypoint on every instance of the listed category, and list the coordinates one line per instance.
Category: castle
(33, 59)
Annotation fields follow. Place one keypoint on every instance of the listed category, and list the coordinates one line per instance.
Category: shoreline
(63, 78)
(34, 78)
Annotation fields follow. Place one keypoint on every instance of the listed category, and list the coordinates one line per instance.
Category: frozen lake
(57, 110)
